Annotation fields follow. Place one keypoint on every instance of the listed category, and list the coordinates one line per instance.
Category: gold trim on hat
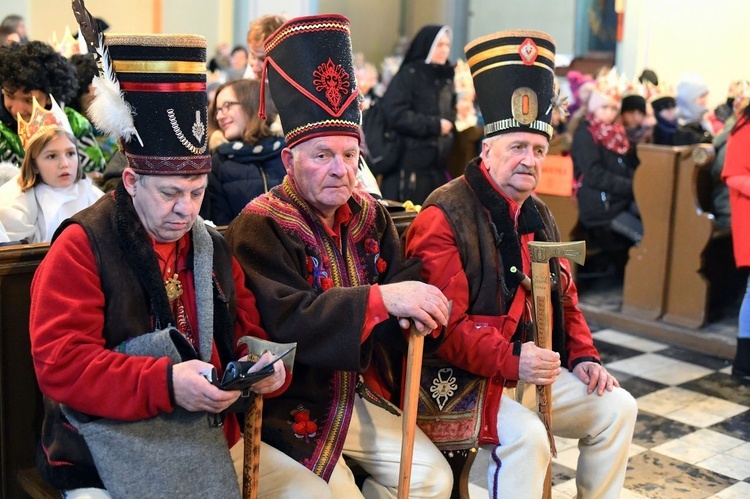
(318, 124)
(156, 40)
(508, 123)
(515, 33)
(296, 29)
(182, 67)
(510, 63)
(507, 50)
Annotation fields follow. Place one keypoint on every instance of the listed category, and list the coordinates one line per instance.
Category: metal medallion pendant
(173, 286)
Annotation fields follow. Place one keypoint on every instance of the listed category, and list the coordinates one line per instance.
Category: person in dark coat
(665, 113)
(604, 164)
(249, 164)
(420, 105)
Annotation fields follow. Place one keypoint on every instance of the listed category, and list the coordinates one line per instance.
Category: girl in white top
(49, 188)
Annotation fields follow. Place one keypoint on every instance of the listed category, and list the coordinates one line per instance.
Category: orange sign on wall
(557, 176)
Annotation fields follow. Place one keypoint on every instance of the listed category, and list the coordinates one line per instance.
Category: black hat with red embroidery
(310, 70)
(513, 73)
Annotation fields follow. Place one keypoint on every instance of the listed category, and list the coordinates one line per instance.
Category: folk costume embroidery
(328, 264)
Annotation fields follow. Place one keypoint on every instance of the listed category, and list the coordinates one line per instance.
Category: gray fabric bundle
(169, 455)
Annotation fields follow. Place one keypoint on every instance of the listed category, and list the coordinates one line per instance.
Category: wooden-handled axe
(541, 252)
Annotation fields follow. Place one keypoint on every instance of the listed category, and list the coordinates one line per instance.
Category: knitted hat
(690, 87)
(151, 96)
(633, 102)
(310, 70)
(514, 78)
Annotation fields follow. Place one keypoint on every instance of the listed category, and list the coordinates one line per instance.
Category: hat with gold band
(163, 80)
(513, 73)
(310, 71)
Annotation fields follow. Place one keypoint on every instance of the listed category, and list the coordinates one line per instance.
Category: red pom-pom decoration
(381, 265)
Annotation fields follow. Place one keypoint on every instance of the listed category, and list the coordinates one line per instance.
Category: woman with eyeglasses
(248, 163)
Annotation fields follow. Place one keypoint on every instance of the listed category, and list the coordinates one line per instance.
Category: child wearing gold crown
(51, 185)
(36, 70)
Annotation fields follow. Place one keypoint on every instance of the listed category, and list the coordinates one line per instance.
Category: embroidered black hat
(310, 70)
(513, 73)
(163, 81)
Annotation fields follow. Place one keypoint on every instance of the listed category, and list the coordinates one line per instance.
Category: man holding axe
(469, 235)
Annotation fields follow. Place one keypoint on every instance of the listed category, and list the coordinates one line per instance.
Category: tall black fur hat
(514, 78)
(310, 71)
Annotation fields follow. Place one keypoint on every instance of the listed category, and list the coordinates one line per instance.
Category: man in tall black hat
(469, 235)
(137, 299)
(323, 259)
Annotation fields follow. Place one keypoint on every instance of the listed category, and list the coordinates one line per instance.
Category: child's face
(57, 164)
(669, 114)
(607, 113)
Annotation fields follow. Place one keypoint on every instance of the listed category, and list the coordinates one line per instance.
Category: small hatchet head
(542, 251)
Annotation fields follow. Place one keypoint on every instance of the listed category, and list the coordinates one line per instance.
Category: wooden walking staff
(409, 416)
(541, 252)
(254, 413)
(411, 403)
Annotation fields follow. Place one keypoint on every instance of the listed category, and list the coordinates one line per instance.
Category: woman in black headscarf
(420, 106)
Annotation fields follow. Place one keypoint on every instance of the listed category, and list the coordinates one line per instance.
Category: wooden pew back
(21, 409)
(645, 283)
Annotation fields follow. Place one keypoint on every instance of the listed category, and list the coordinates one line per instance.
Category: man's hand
(423, 303)
(596, 377)
(538, 365)
(273, 382)
(193, 391)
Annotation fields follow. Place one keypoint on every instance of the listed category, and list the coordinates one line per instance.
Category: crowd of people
(139, 296)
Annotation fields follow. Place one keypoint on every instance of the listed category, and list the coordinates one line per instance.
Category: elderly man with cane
(324, 261)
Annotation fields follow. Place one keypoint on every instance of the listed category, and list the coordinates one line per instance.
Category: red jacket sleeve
(478, 344)
(66, 322)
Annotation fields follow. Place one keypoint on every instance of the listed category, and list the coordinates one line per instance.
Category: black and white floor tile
(692, 437)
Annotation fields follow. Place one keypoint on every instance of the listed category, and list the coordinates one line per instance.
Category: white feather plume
(109, 110)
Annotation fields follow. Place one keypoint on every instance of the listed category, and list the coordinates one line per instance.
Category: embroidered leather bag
(451, 401)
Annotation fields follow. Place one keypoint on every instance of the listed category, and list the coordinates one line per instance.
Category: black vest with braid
(489, 244)
(135, 304)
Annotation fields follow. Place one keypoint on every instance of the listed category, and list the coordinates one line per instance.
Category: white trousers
(604, 426)
(280, 477)
(374, 442)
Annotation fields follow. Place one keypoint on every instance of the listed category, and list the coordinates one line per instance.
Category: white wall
(556, 17)
(671, 37)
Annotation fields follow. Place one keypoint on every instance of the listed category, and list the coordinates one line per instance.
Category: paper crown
(68, 46)
(41, 121)
(514, 78)
(310, 71)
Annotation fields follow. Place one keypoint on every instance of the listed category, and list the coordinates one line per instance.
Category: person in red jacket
(736, 174)
(469, 235)
(137, 300)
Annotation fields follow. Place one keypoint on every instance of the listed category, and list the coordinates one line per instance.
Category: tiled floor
(692, 437)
